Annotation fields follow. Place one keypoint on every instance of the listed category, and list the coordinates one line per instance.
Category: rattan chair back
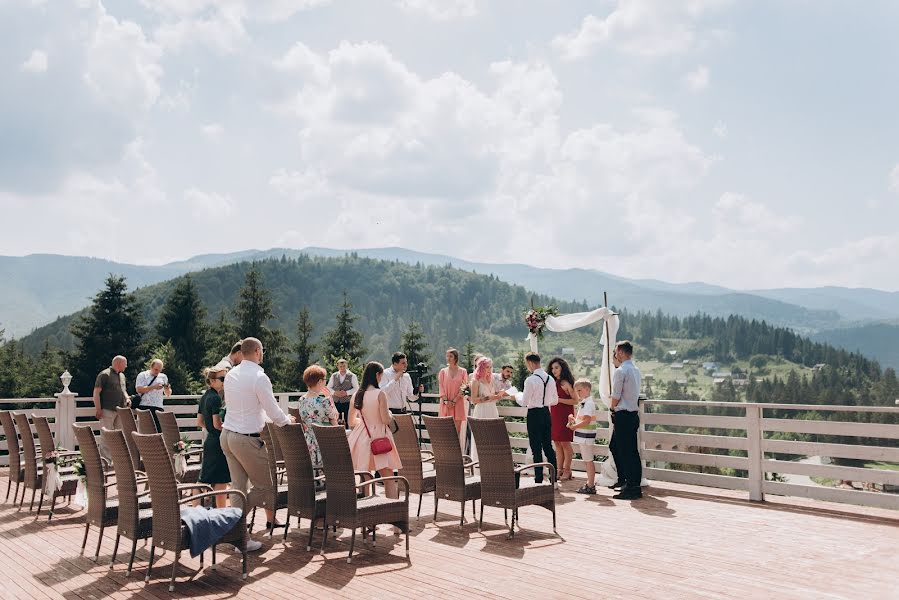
(163, 490)
(300, 475)
(129, 426)
(94, 475)
(495, 457)
(339, 474)
(29, 452)
(145, 423)
(16, 466)
(447, 458)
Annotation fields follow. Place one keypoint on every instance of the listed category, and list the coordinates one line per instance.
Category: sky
(746, 144)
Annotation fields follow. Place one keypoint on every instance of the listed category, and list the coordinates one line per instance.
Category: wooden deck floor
(678, 542)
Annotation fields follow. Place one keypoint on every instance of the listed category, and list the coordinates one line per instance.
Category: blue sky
(747, 144)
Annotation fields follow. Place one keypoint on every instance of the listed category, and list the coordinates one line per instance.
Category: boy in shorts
(584, 427)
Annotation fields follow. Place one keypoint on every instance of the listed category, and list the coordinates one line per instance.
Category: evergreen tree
(254, 307)
(41, 380)
(468, 357)
(114, 324)
(303, 348)
(14, 368)
(344, 341)
(222, 335)
(182, 322)
(521, 371)
(182, 378)
(414, 346)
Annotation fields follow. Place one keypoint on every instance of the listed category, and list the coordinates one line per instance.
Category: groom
(623, 445)
(539, 394)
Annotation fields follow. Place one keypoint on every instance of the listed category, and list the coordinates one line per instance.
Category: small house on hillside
(710, 366)
(721, 374)
(588, 362)
(819, 366)
(568, 352)
(677, 366)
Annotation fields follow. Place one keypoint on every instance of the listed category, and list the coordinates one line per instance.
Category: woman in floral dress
(316, 406)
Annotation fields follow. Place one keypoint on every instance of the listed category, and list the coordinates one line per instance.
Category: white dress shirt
(397, 392)
(249, 398)
(534, 386)
(336, 379)
(626, 386)
(500, 384)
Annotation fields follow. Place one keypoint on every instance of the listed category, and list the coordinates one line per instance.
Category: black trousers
(624, 449)
(540, 438)
(343, 411)
(153, 410)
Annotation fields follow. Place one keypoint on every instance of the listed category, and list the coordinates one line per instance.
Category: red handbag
(381, 445)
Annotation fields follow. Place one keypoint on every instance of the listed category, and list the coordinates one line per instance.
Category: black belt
(246, 434)
(539, 408)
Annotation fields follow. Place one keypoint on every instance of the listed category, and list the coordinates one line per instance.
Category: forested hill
(451, 306)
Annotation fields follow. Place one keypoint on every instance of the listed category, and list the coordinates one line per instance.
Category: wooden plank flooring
(678, 542)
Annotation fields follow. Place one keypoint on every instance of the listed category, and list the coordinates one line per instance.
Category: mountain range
(38, 288)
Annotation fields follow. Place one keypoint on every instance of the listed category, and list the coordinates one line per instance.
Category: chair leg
(213, 557)
(286, 526)
(349, 558)
(418, 514)
(131, 558)
(115, 550)
(481, 520)
(505, 514)
(15, 494)
(52, 507)
(252, 520)
(554, 518)
(407, 538)
(324, 537)
(33, 494)
(150, 564)
(436, 500)
(472, 507)
(174, 570)
(8, 489)
(462, 517)
(99, 541)
(244, 575)
(311, 531)
(87, 527)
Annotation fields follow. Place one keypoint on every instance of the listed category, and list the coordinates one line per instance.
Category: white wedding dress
(483, 410)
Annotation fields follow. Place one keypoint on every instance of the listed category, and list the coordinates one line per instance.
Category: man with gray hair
(109, 394)
(153, 386)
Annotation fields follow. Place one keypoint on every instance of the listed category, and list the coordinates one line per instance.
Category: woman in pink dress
(370, 420)
(450, 380)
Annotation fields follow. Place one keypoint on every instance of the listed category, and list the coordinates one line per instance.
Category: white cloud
(212, 130)
(698, 79)
(441, 10)
(208, 206)
(720, 129)
(36, 63)
(894, 180)
(639, 27)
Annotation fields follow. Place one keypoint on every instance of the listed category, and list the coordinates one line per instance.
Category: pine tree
(521, 371)
(303, 348)
(221, 337)
(183, 323)
(114, 324)
(182, 378)
(14, 368)
(344, 341)
(414, 345)
(42, 379)
(254, 307)
(468, 357)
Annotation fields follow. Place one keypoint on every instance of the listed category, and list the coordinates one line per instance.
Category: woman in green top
(214, 470)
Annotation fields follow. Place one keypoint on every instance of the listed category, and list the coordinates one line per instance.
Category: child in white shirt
(584, 427)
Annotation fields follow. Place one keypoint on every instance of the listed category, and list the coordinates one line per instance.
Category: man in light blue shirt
(623, 445)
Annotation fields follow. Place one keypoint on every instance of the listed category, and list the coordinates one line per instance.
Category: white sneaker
(253, 545)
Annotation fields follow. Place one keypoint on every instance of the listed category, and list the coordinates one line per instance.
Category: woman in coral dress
(370, 420)
(450, 380)
(561, 435)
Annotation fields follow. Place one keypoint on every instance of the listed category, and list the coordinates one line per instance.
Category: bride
(483, 394)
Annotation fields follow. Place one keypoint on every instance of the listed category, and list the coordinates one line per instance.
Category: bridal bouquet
(535, 319)
(179, 452)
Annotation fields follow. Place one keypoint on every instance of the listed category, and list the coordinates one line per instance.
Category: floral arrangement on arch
(535, 319)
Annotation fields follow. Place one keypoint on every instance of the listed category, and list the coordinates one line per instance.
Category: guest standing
(626, 422)
(539, 394)
(561, 435)
(371, 419)
(397, 384)
(248, 392)
(316, 407)
(449, 381)
(584, 428)
(153, 387)
(214, 469)
(234, 357)
(483, 395)
(109, 394)
(343, 385)
(502, 381)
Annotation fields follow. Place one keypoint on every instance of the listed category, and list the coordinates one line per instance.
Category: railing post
(754, 451)
(65, 418)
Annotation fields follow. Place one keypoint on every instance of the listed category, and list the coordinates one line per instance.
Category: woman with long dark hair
(370, 420)
(561, 435)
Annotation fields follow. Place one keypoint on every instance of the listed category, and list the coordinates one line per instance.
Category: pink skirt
(360, 448)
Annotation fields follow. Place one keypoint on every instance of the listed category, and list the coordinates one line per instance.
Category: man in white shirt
(343, 385)
(397, 385)
(234, 357)
(626, 422)
(153, 386)
(250, 399)
(539, 394)
(502, 381)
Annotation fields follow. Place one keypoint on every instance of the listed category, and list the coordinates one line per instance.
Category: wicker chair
(135, 517)
(302, 499)
(16, 465)
(275, 498)
(295, 413)
(62, 457)
(146, 424)
(102, 510)
(129, 426)
(171, 435)
(169, 533)
(414, 459)
(344, 507)
(451, 464)
(34, 473)
(500, 485)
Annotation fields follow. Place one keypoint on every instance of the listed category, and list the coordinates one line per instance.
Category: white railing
(671, 443)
